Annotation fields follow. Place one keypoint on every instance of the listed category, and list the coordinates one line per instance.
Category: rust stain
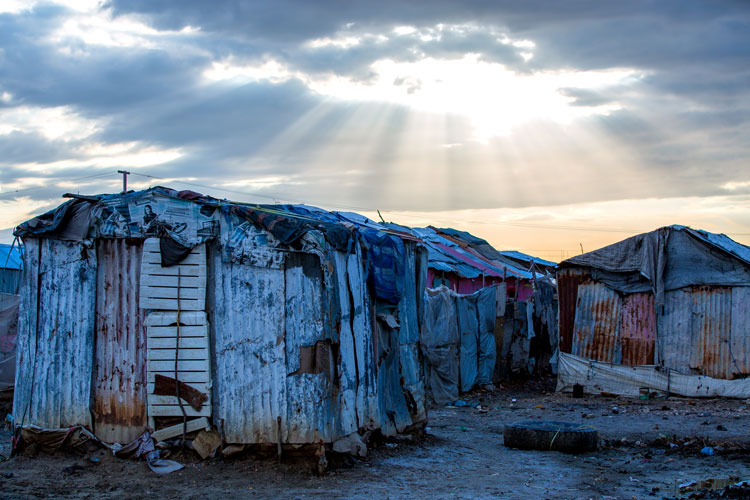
(120, 345)
(638, 329)
(568, 280)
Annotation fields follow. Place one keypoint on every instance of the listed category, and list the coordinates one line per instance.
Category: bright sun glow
(494, 98)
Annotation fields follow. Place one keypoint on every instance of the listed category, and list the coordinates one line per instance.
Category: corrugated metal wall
(312, 411)
(704, 330)
(613, 328)
(597, 323)
(56, 335)
(638, 329)
(568, 280)
(247, 320)
(120, 346)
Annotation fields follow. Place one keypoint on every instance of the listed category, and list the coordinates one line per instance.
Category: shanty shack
(277, 323)
(666, 311)
(488, 317)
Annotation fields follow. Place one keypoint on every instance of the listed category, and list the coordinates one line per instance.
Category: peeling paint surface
(56, 335)
(248, 325)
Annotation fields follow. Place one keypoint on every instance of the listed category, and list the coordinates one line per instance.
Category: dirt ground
(647, 449)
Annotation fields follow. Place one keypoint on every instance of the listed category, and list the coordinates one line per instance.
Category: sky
(546, 127)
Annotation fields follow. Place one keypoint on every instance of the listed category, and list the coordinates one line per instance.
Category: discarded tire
(555, 436)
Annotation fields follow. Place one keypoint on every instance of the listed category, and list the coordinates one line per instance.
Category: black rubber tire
(551, 436)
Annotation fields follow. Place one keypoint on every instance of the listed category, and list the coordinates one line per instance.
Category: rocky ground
(648, 448)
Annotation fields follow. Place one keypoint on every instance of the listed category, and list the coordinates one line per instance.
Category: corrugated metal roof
(523, 256)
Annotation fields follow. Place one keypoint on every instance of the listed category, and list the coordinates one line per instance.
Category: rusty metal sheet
(696, 331)
(597, 323)
(568, 280)
(638, 329)
(120, 345)
(56, 335)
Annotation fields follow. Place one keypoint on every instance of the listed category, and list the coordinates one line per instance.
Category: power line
(36, 188)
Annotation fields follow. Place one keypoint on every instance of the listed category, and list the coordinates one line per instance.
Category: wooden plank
(169, 318)
(182, 365)
(171, 304)
(192, 378)
(171, 342)
(156, 270)
(171, 331)
(169, 354)
(193, 259)
(174, 411)
(155, 399)
(199, 250)
(204, 387)
(171, 281)
(176, 430)
(165, 292)
(153, 245)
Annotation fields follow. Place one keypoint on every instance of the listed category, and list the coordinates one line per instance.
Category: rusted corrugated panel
(120, 346)
(56, 335)
(638, 329)
(247, 325)
(695, 331)
(568, 280)
(597, 323)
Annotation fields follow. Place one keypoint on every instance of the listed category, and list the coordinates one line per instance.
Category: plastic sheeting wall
(458, 341)
(56, 335)
(8, 335)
